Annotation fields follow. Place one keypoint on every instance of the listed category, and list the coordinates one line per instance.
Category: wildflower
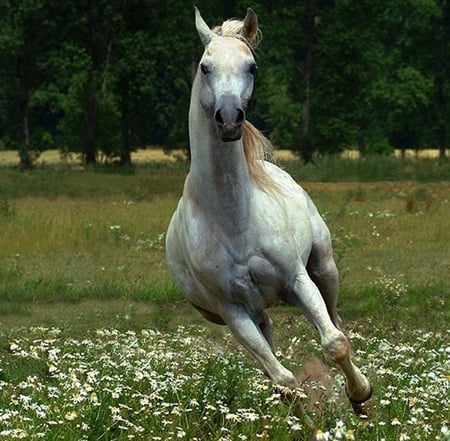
(322, 436)
(41, 411)
(350, 435)
(14, 433)
(296, 427)
(70, 416)
(52, 368)
(232, 417)
(25, 400)
(338, 434)
(181, 433)
(294, 423)
(194, 403)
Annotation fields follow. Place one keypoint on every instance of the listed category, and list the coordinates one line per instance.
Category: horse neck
(218, 175)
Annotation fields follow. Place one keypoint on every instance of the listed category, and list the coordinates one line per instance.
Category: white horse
(245, 235)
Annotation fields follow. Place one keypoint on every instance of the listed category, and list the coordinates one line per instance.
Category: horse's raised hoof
(363, 408)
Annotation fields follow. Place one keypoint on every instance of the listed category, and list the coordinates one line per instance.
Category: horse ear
(202, 28)
(250, 27)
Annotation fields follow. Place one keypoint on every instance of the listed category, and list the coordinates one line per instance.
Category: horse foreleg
(258, 340)
(251, 336)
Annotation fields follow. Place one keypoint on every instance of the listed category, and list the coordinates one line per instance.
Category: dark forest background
(107, 76)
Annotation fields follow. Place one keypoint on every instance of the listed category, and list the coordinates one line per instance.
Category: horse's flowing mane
(257, 147)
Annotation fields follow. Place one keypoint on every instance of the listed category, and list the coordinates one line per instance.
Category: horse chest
(250, 267)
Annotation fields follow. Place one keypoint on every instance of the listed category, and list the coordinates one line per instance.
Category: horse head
(227, 72)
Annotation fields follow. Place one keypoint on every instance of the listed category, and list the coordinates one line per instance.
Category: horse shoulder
(297, 200)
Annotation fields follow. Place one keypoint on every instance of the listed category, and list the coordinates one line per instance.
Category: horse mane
(257, 148)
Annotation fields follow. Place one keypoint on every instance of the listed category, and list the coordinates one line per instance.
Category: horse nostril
(240, 116)
(218, 117)
(229, 114)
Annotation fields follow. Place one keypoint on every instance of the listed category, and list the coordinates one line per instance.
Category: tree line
(103, 77)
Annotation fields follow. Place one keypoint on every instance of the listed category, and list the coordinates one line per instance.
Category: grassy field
(143, 156)
(96, 343)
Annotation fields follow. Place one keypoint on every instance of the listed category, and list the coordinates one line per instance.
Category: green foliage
(104, 77)
(282, 111)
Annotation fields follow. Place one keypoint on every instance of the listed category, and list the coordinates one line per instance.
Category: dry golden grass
(409, 154)
(10, 157)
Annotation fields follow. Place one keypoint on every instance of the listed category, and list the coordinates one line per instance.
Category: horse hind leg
(306, 296)
(266, 327)
(323, 271)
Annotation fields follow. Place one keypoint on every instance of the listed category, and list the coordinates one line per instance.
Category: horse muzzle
(228, 118)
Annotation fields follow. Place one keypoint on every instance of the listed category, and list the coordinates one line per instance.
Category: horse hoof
(363, 408)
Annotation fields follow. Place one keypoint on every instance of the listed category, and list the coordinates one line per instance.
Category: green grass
(90, 340)
(370, 169)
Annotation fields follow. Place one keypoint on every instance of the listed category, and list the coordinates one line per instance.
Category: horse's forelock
(233, 28)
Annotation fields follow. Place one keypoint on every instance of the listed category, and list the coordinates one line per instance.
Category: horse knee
(337, 348)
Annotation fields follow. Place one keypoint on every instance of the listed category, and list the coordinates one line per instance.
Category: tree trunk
(125, 151)
(444, 129)
(90, 153)
(361, 143)
(26, 162)
(304, 145)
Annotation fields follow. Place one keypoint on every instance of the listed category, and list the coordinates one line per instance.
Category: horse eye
(252, 69)
(205, 70)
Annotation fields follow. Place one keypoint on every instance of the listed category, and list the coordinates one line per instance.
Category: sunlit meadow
(181, 385)
(96, 343)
